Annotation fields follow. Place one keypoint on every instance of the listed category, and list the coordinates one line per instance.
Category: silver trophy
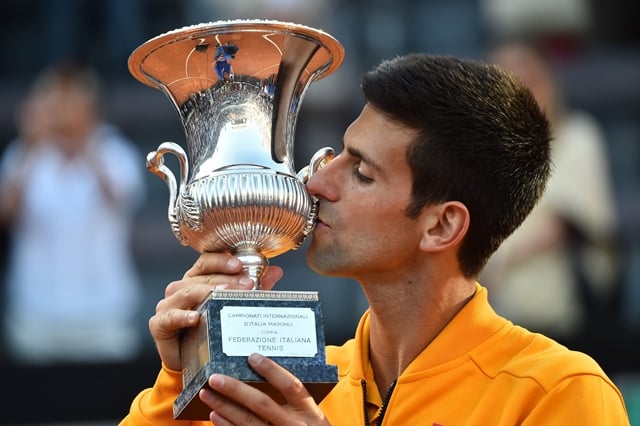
(237, 86)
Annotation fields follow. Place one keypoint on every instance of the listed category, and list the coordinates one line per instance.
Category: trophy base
(188, 405)
(285, 326)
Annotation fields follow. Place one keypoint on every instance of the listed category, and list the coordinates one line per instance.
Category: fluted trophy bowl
(237, 86)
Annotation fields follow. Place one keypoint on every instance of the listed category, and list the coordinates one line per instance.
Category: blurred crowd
(72, 183)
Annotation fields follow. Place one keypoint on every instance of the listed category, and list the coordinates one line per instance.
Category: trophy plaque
(237, 86)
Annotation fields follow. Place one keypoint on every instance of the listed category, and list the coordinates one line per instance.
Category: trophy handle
(155, 164)
(321, 158)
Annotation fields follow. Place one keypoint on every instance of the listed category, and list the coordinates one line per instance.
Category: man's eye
(360, 176)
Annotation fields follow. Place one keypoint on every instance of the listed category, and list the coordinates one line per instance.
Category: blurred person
(445, 160)
(70, 184)
(558, 271)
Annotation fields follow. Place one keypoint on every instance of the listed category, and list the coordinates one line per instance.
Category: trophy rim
(138, 56)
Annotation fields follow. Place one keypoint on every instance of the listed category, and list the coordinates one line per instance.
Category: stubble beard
(326, 258)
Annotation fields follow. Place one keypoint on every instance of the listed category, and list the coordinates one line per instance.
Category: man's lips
(321, 224)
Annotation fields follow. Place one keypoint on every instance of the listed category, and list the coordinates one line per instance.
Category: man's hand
(236, 403)
(177, 310)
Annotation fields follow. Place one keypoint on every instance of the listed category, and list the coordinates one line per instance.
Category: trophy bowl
(237, 87)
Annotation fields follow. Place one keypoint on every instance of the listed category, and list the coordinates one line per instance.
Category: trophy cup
(237, 86)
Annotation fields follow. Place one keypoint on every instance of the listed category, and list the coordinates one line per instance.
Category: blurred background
(592, 47)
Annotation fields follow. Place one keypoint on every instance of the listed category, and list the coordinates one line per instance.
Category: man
(446, 159)
(557, 273)
(222, 65)
(70, 185)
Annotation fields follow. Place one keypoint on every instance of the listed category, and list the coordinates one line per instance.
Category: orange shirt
(480, 370)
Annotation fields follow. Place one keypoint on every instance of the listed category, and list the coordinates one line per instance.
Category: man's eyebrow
(355, 152)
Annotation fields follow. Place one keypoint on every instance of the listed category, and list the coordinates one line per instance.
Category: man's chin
(321, 262)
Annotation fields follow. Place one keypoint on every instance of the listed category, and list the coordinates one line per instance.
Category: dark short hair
(481, 140)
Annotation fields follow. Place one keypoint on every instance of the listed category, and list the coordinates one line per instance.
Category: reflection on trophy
(237, 86)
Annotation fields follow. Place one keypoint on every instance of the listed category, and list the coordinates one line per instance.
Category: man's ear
(446, 225)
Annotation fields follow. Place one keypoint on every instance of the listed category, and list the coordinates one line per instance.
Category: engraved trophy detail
(237, 86)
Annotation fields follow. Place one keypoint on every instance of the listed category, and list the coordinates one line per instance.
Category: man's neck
(404, 323)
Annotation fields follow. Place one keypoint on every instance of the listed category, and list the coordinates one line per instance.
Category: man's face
(74, 119)
(363, 230)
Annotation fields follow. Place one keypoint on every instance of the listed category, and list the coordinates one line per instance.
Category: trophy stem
(254, 264)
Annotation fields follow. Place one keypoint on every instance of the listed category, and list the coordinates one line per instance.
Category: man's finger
(271, 276)
(168, 323)
(281, 379)
(209, 263)
(238, 403)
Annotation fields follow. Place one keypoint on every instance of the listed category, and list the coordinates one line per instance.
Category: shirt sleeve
(154, 406)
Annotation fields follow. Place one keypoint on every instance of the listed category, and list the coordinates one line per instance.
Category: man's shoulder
(526, 355)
